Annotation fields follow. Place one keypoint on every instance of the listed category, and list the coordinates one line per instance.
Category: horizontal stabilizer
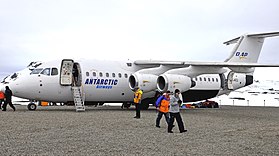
(264, 35)
(259, 35)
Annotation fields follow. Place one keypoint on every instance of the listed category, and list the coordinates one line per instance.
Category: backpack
(158, 101)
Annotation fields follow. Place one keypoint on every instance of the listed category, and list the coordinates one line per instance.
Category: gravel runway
(108, 130)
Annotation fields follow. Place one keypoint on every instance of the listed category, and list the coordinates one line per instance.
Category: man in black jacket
(8, 99)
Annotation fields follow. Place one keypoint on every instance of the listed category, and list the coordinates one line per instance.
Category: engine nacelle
(146, 82)
(171, 82)
(238, 80)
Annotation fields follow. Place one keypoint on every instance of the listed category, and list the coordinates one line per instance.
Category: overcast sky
(42, 30)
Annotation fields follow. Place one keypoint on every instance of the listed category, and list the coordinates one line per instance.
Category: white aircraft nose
(2, 87)
(15, 87)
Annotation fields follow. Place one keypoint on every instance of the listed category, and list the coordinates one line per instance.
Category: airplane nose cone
(14, 87)
(2, 87)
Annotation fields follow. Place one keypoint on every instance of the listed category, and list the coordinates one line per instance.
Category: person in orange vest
(137, 100)
(163, 108)
(2, 97)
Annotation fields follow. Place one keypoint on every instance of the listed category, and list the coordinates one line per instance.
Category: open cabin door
(223, 81)
(70, 75)
(230, 80)
(66, 77)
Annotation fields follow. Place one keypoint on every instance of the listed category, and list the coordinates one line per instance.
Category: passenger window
(94, 74)
(212, 79)
(126, 75)
(101, 74)
(209, 79)
(204, 79)
(87, 73)
(119, 75)
(107, 74)
(46, 71)
(36, 71)
(200, 79)
(113, 74)
(216, 80)
(54, 71)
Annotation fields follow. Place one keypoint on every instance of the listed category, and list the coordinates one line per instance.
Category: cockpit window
(14, 76)
(4, 80)
(46, 71)
(54, 71)
(36, 71)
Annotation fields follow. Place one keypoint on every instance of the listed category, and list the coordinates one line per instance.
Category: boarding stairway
(78, 98)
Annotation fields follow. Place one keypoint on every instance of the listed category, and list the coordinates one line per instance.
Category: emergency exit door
(66, 72)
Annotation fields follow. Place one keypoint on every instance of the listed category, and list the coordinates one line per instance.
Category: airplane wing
(245, 54)
(208, 64)
(193, 69)
(166, 75)
(158, 62)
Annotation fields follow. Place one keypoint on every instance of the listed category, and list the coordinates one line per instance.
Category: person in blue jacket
(162, 105)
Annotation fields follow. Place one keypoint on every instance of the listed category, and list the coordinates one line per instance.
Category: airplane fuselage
(101, 81)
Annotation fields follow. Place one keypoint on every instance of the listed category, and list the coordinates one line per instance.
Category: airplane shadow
(87, 109)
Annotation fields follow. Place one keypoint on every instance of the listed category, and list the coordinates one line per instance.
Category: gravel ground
(107, 130)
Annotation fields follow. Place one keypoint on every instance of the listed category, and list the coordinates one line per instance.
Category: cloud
(120, 30)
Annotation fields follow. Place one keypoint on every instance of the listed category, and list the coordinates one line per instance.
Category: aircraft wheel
(216, 105)
(145, 104)
(31, 106)
(126, 105)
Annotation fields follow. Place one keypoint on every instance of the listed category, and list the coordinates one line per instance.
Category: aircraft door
(66, 77)
(223, 81)
(230, 80)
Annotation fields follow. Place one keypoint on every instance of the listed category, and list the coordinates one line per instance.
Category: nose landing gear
(32, 106)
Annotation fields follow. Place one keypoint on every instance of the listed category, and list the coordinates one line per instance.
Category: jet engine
(171, 82)
(238, 80)
(146, 82)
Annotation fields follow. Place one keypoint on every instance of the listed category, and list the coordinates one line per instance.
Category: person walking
(2, 97)
(163, 108)
(137, 100)
(174, 112)
(8, 99)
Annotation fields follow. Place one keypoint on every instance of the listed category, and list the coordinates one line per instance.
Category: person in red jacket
(2, 97)
(163, 108)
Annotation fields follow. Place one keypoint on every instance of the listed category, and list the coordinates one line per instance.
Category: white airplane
(99, 81)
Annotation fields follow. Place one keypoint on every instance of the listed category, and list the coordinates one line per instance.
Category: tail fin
(248, 47)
